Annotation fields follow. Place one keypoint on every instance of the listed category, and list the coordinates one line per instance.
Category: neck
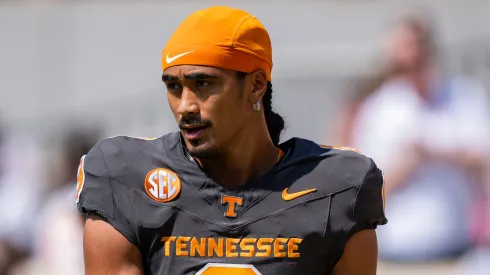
(421, 79)
(249, 157)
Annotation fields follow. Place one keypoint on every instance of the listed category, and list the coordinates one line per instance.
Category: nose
(188, 103)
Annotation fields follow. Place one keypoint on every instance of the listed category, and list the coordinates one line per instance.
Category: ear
(258, 84)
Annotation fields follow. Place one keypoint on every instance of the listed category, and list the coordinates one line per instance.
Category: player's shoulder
(346, 159)
(122, 154)
(122, 144)
(306, 150)
(339, 167)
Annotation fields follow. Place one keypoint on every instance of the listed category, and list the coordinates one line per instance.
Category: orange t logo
(231, 202)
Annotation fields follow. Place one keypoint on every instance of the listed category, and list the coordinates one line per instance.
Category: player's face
(209, 106)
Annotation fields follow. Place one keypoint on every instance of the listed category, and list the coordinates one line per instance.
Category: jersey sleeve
(99, 193)
(368, 204)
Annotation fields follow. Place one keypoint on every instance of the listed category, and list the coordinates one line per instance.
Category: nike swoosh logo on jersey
(291, 196)
(169, 59)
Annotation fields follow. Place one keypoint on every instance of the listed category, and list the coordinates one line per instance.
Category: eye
(173, 87)
(202, 83)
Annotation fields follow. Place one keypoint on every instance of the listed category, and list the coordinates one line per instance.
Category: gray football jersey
(296, 219)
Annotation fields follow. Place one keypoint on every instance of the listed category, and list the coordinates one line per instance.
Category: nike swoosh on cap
(169, 59)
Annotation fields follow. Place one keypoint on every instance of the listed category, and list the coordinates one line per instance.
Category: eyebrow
(167, 77)
(191, 76)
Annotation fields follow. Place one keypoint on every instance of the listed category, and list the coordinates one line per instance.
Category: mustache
(193, 121)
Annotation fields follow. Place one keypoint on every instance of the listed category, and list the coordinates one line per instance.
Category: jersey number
(80, 178)
(228, 269)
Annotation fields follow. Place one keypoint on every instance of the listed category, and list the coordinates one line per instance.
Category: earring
(256, 106)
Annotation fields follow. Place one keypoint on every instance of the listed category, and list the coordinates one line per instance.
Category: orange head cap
(221, 37)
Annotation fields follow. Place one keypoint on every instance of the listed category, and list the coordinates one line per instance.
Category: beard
(204, 150)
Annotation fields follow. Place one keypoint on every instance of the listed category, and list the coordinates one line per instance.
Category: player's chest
(185, 224)
(189, 204)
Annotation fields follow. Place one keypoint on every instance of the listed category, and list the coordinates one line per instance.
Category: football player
(222, 196)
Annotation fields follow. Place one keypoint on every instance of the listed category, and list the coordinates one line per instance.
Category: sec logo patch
(162, 185)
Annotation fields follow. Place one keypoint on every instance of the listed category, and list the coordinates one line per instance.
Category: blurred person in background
(20, 195)
(361, 89)
(58, 248)
(429, 134)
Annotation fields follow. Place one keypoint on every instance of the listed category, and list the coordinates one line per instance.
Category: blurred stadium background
(74, 72)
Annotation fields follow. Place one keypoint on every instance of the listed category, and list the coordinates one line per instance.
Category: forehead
(404, 32)
(400, 36)
(182, 71)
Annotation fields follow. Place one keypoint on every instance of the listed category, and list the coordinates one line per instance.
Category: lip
(192, 127)
(192, 133)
